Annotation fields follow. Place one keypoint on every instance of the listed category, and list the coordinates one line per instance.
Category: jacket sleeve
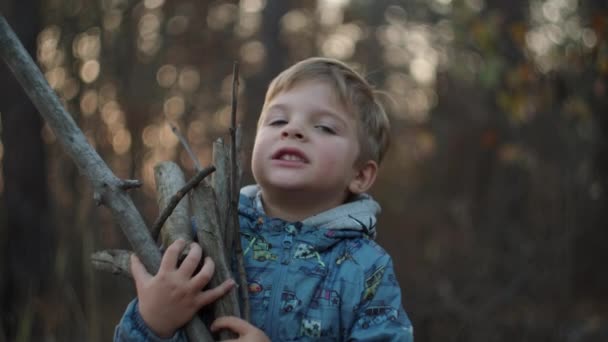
(132, 328)
(380, 315)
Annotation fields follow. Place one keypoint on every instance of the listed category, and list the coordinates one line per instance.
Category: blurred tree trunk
(274, 63)
(590, 252)
(28, 233)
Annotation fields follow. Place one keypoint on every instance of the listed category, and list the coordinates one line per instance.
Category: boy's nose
(292, 132)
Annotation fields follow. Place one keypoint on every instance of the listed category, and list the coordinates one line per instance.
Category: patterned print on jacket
(323, 278)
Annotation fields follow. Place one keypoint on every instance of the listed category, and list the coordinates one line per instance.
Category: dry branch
(169, 180)
(109, 189)
(205, 213)
(232, 225)
(115, 261)
(221, 185)
(177, 197)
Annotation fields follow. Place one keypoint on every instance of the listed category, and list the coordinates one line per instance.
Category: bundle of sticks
(211, 204)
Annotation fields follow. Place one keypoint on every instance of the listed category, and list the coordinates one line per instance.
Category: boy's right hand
(170, 299)
(246, 331)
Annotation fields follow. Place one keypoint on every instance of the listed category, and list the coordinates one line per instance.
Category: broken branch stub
(115, 261)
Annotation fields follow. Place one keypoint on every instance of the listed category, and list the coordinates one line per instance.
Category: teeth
(290, 157)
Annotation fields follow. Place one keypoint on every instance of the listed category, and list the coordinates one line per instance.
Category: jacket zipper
(278, 290)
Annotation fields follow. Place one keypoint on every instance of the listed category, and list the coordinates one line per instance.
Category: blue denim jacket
(321, 279)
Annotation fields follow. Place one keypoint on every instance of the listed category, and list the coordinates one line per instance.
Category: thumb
(235, 324)
(138, 271)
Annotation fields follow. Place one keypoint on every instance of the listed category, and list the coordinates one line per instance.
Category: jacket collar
(354, 218)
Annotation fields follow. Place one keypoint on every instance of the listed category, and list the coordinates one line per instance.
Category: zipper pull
(287, 243)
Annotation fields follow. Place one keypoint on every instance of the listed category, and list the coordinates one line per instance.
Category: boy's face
(306, 142)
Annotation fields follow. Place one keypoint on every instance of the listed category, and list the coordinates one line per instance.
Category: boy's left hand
(246, 331)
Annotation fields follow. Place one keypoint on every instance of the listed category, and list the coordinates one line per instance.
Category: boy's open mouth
(290, 154)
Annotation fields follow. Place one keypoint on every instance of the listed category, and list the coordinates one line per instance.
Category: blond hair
(355, 93)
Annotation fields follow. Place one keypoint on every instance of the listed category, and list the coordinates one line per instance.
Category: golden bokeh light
(112, 20)
(189, 79)
(87, 45)
(111, 113)
(90, 71)
(153, 4)
(56, 77)
(149, 39)
(89, 102)
(174, 107)
(220, 16)
(151, 136)
(166, 136)
(121, 142)
(248, 24)
(70, 88)
(295, 21)
(252, 6)
(423, 70)
(166, 75)
(253, 52)
(196, 132)
(107, 92)
(48, 41)
(148, 25)
(338, 46)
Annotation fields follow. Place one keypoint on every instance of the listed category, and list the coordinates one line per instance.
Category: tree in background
(28, 235)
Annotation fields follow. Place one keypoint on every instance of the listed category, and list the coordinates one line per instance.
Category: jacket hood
(354, 218)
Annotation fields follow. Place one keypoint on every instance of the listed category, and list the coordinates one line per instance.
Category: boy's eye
(277, 122)
(326, 129)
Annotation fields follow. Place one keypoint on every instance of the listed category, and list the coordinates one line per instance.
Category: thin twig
(177, 197)
(186, 146)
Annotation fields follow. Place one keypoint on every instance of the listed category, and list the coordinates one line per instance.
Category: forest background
(493, 194)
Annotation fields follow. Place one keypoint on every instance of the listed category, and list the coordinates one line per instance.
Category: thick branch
(205, 213)
(90, 164)
(169, 180)
(177, 197)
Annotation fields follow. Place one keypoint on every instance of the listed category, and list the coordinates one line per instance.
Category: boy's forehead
(332, 93)
(313, 98)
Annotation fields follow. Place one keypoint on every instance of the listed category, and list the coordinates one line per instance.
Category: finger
(209, 296)
(235, 324)
(191, 262)
(169, 261)
(205, 274)
(138, 270)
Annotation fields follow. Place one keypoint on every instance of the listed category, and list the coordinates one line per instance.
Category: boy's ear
(364, 177)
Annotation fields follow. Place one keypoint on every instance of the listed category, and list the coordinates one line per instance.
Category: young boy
(307, 227)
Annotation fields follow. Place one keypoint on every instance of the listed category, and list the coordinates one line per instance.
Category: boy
(307, 227)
